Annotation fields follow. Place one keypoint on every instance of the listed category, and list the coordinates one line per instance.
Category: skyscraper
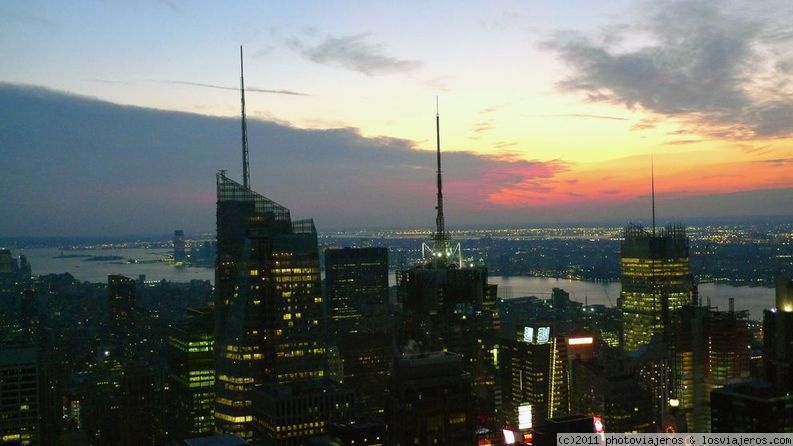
(778, 337)
(191, 375)
(268, 301)
(19, 396)
(533, 376)
(268, 297)
(710, 350)
(356, 282)
(122, 296)
(430, 401)
(656, 282)
(178, 246)
(449, 306)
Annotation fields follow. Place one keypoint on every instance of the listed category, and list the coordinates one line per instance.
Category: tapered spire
(652, 188)
(443, 251)
(440, 224)
(246, 176)
(441, 237)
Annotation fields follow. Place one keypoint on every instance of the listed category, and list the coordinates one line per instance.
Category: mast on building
(443, 251)
(246, 176)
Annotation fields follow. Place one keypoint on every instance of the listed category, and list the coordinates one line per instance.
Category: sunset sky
(556, 107)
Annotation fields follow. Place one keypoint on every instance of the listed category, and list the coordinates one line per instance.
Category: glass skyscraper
(268, 302)
(656, 282)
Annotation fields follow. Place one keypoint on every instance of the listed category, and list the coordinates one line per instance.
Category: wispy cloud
(111, 81)
(27, 18)
(681, 142)
(355, 52)
(580, 115)
(438, 83)
(703, 66)
(172, 5)
(247, 89)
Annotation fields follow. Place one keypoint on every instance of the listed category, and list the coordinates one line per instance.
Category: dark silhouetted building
(356, 282)
(596, 389)
(121, 294)
(268, 302)
(710, 350)
(576, 423)
(216, 440)
(354, 434)
(138, 407)
(367, 360)
(778, 337)
(19, 397)
(430, 401)
(751, 407)
(446, 308)
(288, 414)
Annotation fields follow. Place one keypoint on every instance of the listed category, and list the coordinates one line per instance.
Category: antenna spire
(441, 237)
(652, 187)
(246, 176)
(443, 251)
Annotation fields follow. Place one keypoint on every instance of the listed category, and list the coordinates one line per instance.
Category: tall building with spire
(268, 299)
(656, 279)
(449, 306)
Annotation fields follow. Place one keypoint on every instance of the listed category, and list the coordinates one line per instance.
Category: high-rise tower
(449, 306)
(268, 299)
(656, 282)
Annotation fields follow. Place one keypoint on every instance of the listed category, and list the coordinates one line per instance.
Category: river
(46, 260)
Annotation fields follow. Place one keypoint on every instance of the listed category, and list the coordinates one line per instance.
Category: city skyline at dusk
(549, 114)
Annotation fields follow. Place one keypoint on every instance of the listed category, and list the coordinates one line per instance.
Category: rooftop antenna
(246, 176)
(442, 250)
(652, 185)
(440, 229)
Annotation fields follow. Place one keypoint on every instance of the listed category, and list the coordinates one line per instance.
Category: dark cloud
(79, 166)
(74, 165)
(699, 65)
(356, 53)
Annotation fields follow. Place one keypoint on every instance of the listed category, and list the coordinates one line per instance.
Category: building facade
(356, 283)
(191, 375)
(656, 282)
(268, 302)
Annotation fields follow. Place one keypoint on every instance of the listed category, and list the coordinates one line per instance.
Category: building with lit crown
(656, 282)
